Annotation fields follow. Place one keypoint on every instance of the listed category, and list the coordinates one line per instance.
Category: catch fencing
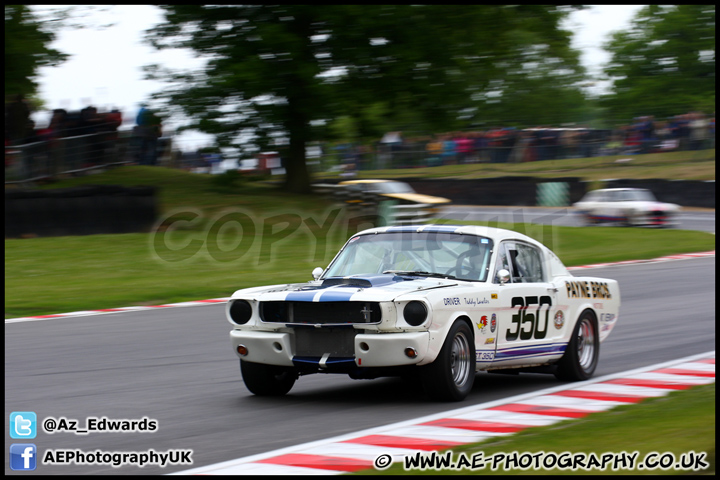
(46, 159)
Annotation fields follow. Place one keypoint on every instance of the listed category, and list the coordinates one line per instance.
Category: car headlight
(415, 313)
(240, 311)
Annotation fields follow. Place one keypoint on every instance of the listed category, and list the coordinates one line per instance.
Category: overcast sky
(104, 67)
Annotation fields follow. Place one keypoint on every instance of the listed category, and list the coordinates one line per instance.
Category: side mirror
(317, 271)
(503, 276)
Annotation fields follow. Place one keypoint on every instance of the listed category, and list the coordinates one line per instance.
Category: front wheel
(267, 380)
(450, 377)
(581, 355)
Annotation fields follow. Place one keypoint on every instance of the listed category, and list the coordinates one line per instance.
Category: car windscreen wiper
(421, 274)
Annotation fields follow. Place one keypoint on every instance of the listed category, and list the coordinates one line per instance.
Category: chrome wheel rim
(460, 359)
(586, 344)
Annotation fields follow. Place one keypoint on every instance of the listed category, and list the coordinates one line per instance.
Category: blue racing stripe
(519, 352)
(341, 294)
(301, 296)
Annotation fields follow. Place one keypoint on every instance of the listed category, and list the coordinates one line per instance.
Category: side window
(523, 261)
(529, 263)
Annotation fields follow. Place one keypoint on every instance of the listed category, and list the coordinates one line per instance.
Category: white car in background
(439, 302)
(626, 206)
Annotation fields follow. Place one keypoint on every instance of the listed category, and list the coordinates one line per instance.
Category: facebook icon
(23, 456)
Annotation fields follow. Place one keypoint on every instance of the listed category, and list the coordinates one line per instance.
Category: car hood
(416, 198)
(362, 288)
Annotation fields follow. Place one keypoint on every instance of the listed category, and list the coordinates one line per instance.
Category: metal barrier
(32, 162)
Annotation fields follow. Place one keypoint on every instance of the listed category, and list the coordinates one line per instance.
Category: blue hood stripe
(341, 292)
(338, 295)
(301, 296)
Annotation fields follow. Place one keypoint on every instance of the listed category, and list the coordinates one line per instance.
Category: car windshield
(430, 254)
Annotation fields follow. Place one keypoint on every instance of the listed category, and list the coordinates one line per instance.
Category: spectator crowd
(690, 131)
(78, 139)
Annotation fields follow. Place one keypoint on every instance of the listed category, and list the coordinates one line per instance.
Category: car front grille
(321, 313)
(316, 342)
(658, 217)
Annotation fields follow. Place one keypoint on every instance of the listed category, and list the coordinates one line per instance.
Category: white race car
(437, 301)
(627, 206)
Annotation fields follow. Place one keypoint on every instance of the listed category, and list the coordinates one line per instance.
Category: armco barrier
(517, 191)
(86, 210)
(511, 191)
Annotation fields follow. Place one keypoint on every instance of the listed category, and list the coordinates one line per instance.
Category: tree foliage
(664, 64)
(27, 40)
(291, 71)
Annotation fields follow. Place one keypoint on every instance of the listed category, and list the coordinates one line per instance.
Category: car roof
(376, 180)
(497, 234)
(617, 189)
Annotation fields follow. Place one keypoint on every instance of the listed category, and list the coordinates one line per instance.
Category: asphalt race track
(175, 366)
(688, 219)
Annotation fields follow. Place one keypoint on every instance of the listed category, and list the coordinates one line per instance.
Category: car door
(526, 335)
(597, 206)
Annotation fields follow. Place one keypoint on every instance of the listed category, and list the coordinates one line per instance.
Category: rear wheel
(450, 377)
(267, 380)
(581, 355)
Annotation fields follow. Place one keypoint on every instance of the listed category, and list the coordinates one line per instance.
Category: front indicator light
(242, 350)
(411, 352)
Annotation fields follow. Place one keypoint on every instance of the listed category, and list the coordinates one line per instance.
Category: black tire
(450, 377)
(581, 355)
(267, 380)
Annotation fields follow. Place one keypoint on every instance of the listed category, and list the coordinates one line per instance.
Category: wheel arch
(439, 335)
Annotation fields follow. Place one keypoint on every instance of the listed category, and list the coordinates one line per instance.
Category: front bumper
(363, 350)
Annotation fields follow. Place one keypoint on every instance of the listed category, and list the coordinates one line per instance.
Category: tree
(664, 64)
(289, 71)
(27, 40)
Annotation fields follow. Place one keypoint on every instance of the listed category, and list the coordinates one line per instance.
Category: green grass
(209, 255)
(678, 423)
